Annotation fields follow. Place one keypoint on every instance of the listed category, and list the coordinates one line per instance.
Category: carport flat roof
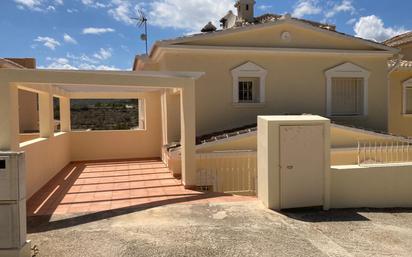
(157, 74)
(66, 82)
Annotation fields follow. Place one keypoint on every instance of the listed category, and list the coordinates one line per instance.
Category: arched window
(347, 90)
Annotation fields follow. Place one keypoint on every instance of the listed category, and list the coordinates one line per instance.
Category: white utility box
(293, 161)
(13, 225)
(12, 176)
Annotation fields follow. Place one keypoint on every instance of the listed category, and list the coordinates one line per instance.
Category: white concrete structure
(293, 161)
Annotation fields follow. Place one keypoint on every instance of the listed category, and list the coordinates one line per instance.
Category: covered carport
(88, 84)
(51, 152)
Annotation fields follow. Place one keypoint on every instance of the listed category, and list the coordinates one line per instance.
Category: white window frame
(346, 70)
(249, 70)
(407, 84)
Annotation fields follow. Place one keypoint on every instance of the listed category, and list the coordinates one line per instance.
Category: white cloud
(48, 42)
(86, 66)
(97, 31)
(34, 5)
(103, 54)
(59, 64)
(81, 58)
(264, 7)
(68, 39)
(121, 11)
(351, 21)
(38, 5)
(187, 15)
(306, 7)
(72, 10)
(344, 6)
(93, 3)
(373, 28)
(66, 64)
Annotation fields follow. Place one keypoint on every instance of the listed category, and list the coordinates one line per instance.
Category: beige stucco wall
(341, 137)
(28, 136)
(346, 137)
(406, 51)
(109, 145)
(398, 123)
(28, 112)
(172, 112)
(285, 91)
(270, 36)
(97, 145)
(44, 159)
(243, 142)
(375, 187)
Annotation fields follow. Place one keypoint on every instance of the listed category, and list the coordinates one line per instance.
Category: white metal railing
(227, 172)
(381, 152)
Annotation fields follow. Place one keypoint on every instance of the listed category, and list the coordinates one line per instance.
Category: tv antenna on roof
(142, 21)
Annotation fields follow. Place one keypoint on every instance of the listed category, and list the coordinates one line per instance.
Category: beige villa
(287, 109)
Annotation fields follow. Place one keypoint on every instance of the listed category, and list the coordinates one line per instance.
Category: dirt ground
(224, 229)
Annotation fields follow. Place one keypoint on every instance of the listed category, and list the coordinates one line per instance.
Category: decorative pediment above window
(249, 67)
(249, 81)
(347, 70)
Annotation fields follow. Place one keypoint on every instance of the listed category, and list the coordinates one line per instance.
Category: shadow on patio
(89, 191)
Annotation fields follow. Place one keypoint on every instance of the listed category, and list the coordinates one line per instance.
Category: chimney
(246, 10)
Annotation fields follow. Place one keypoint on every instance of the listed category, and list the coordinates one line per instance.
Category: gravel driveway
(225, 229)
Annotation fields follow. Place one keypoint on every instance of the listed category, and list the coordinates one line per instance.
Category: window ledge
(249, 105)
(31, 142)
(407, 115)
(56, 134)
(108, 131)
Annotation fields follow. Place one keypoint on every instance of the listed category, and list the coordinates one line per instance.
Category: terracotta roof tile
(402, 64)
(399, 40)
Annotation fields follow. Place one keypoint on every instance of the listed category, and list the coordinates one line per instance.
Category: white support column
(188, 135)
(163, 102)
(65, 120)
(46, 115)
(9, 117)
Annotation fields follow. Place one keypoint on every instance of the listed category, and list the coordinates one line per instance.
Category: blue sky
(98, 34)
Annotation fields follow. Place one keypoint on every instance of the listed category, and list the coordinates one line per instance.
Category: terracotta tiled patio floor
(87, 187)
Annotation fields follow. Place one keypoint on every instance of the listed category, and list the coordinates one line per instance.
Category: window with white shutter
(347, 96)
(407, 97)
(347, 90)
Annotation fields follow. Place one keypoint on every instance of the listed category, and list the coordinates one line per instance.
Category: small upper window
(248, 90)
(247, 7)
(407, 97)
(249, 84)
